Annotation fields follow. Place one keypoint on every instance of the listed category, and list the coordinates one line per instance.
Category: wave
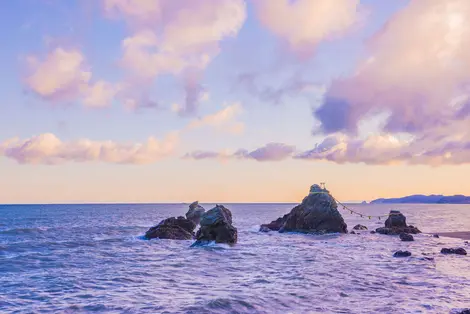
(16, 231)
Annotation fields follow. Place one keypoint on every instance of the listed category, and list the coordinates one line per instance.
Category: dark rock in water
(458, 251)
(396, 224)
(435, 236)
(318, 213)
(464, 311)
(216, 225)
(406, 237)
(353, 232)
(395, 220)
(274, 225)
(172, 228)
(402, 254)
(360, 227)
(195, 212)
(373, 232)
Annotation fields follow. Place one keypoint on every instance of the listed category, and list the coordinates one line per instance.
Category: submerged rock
(402, 254)
(318, 213)
(458, 251)
(216, 225)
(435, 236)
(406, 237)
(396, 224)
(172, 228)
(195, 212)
(360, 227)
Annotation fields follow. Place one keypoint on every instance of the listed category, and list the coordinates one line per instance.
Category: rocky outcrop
(195, 212)
(406, 237)
(318, 213)
(172, 228)
(216, 226)
(396, 224)
(360, 227)
(402, 254)
(458, 251)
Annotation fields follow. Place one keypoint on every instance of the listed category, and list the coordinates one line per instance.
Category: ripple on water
(93, 258)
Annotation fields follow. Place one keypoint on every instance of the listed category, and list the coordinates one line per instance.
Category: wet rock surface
(172, 228)
(318, 213)
(216, 226)
(406, 237)
(396, 224)
(458, 251)
(360, 227)
(402, 254)
(195, 212)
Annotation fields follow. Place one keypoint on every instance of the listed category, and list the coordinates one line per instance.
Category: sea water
(92, 258)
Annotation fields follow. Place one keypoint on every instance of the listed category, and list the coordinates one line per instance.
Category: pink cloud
(64, 75)
(303, 24)
(176, 37)
(50, 150)
(269, 152)
(224, 120)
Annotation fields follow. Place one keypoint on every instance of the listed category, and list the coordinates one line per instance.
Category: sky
(233, 100)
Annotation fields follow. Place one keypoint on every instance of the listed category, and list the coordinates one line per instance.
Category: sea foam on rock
(195, 212)
(396, 224)
(318, 213)
(216, 226)
(172, 228)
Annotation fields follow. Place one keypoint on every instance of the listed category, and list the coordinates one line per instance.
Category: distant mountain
(424, 199)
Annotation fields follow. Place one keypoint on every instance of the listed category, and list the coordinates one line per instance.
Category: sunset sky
(233, 100)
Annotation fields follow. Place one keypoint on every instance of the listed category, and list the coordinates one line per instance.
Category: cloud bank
(48, 149)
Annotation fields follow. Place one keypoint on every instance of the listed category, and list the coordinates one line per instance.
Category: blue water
(92, 258)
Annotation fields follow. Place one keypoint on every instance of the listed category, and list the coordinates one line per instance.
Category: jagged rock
(406, 237)
(353, 232)
(216, 225)
(195, 212)
(458, 251)
(396, 224)
(318, 213)
(172, 228)
(435, 236)
(402, 254)
(274, 225)
(360, 227)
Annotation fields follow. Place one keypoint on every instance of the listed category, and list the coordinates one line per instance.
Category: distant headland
(424, 199)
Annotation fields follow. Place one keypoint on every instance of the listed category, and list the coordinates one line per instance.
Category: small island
(424, 199)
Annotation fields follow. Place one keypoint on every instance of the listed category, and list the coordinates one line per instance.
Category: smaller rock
(360, 227)
(406, 237)
(195, 212)
(458, 251)
(402, 254)
(172, 228)
(352, 232)
(373, 232)
(435, 236)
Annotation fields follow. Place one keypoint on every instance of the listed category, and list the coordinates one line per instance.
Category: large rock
(216, 226)
(458, 251)
(172, 228)
(195, 212)
(318, 213)
(396, 224)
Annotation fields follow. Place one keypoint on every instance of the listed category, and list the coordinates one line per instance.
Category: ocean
(92, 258)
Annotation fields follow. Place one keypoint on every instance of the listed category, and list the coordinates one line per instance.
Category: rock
(402, 254)
(396, 224)
(216, 225)
(373, 232)
(435, 236)
(352, 232)
(458, 251)
(464, 311)
(195, 212)
(406, 237)
(318, 213)
(274, 225)
(360, 227)
(172, 228)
